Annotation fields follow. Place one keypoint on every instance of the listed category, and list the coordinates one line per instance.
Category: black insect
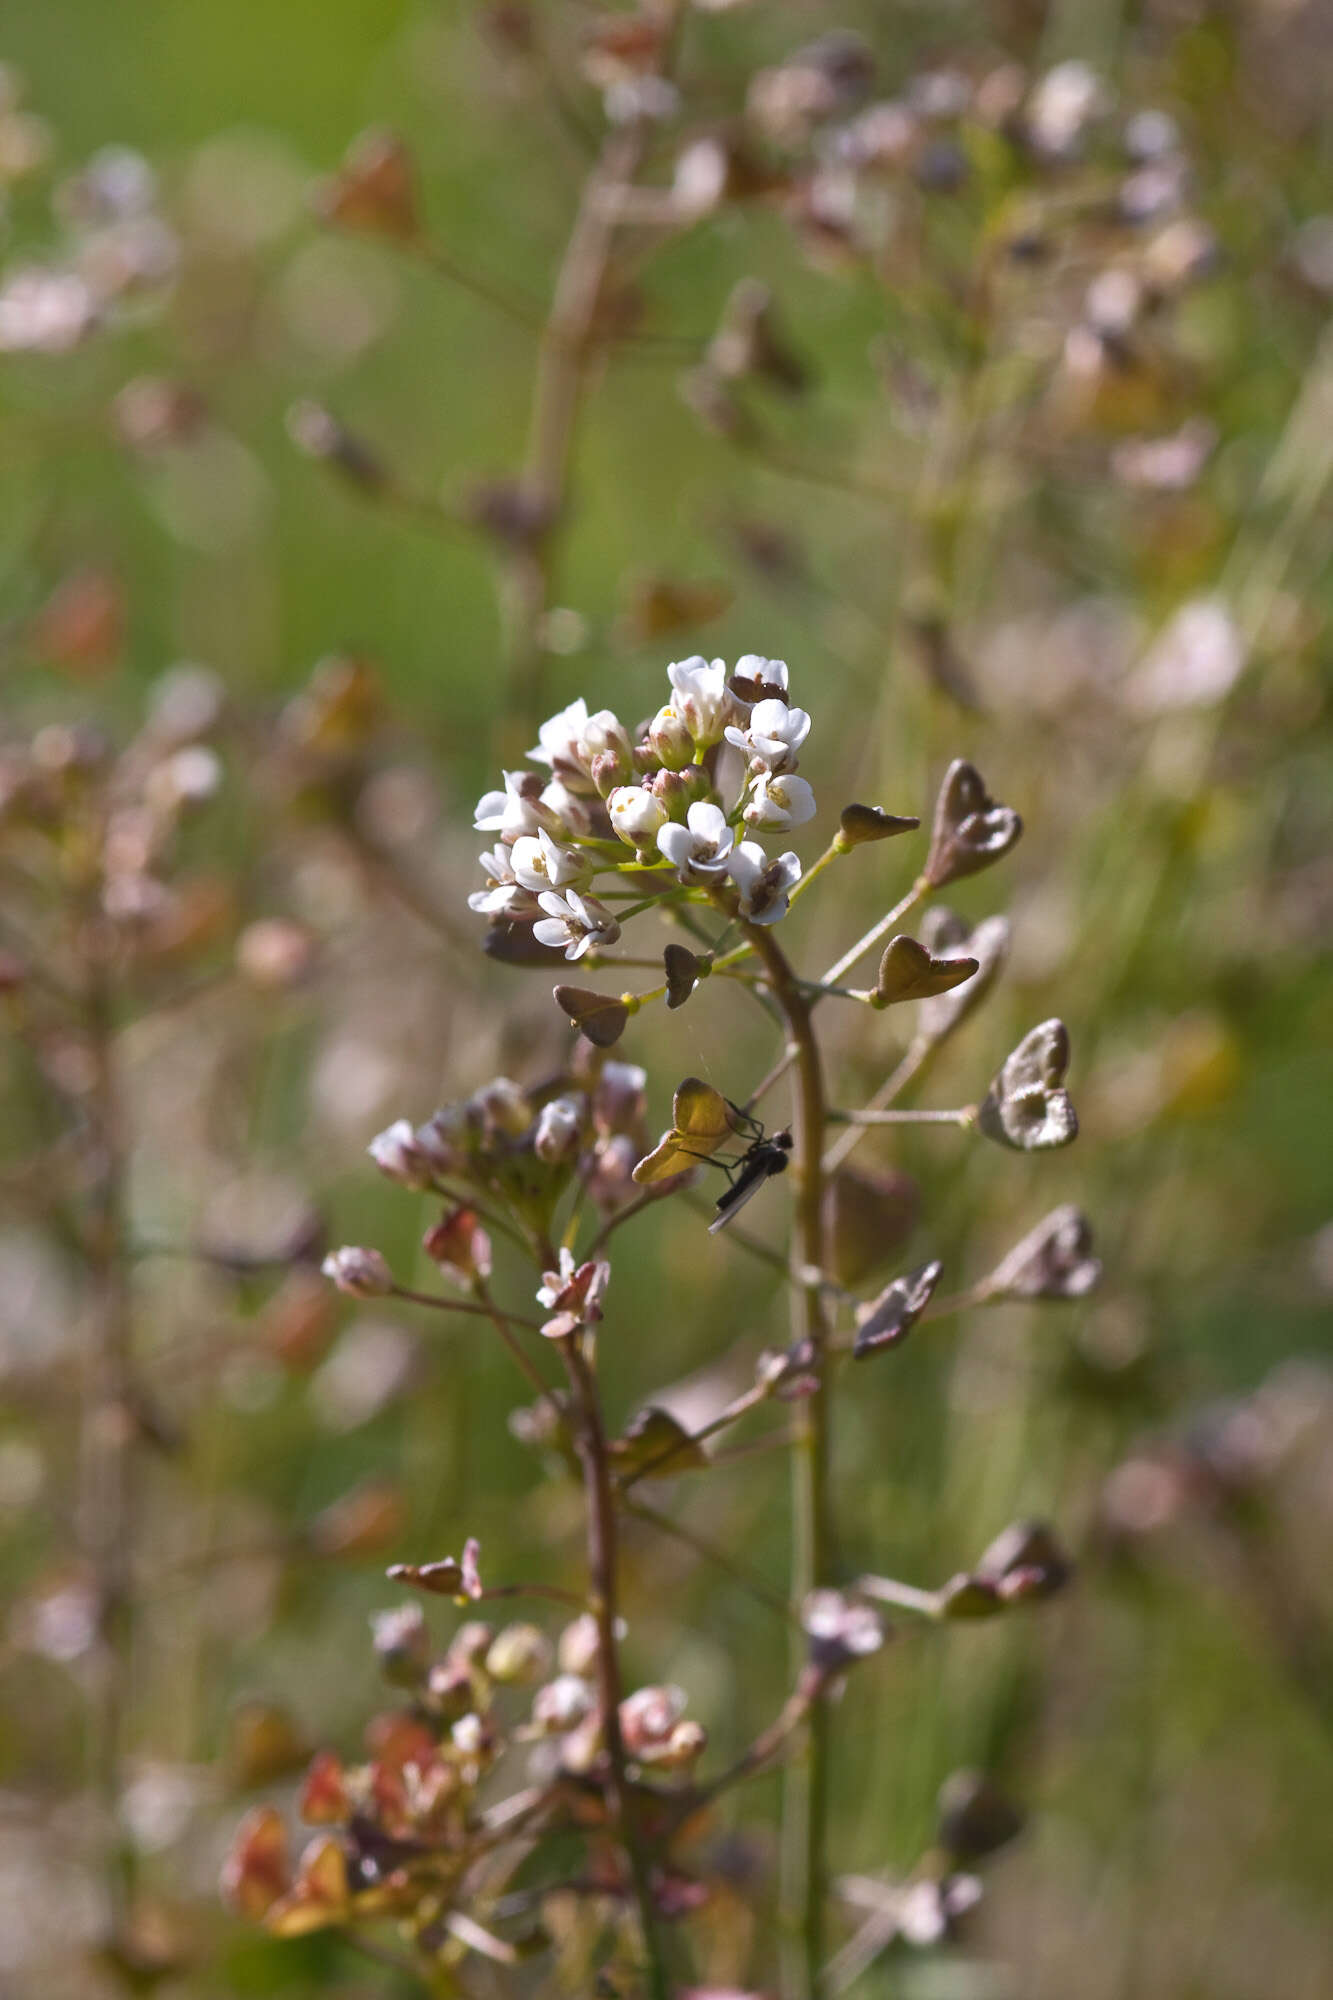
(762, 1159)
(702, 1121)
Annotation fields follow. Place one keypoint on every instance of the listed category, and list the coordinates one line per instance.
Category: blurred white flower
(780, 800)
(504, 895)
(574, 923)
(558, 1129)
(700, 850)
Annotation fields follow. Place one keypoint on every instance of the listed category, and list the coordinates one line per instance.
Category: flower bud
(670, 739)
(501, 1109)
(648, 1719)
(561, 1705)
(519, 1655)
(398, 1156)
(619, 1098)
(558, 1130)
(636, 815)
(460, 1246)
(610, 771)
(443, 1139)
(361, 1273)
(576, 1649)
(402, 1644)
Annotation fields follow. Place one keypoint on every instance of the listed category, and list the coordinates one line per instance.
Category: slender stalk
(804, 1875)
(109, 1483)
(601, 1527)
(893, 1086)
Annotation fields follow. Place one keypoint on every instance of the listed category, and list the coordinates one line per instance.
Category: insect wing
(701, 1124)
(744, 1188)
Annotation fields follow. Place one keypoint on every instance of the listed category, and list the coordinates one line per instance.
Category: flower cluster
(674, 810)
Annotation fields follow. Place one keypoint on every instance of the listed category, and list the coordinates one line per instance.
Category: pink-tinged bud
(398, 1156)
(577, 1646)
(460, 1246)
(559, 1130)
(648, 1720)
(501, 1109)
(561, 1705)
(612, 768)
(443, 1140)
(619, 1099)
(402, 1644)
(361, 1273)
(670, 739)
(673, 791)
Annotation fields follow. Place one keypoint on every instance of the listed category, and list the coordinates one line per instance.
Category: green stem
(804, 1875)
(601, 1528)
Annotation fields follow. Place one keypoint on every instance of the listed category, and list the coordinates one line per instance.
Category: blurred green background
(1168, 1723)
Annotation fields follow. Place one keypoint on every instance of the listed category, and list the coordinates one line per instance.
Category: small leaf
(863, 823)
(682, 973)
(656, 1446)
(891, 1317)
(970, 830)
(1053, 1261)
(946, 934)
(908, 972)
(1026, 1106)
(599, 1017)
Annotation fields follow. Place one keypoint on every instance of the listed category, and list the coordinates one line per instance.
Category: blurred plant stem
(109, 1428)
(563, 351)
(806, 1802)
(591, 1444)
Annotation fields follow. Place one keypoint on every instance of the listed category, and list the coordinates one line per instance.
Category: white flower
(773, 736)
(700, 850)
(555, 1281)
(769, 674)
(636, 814)
(780, 800)
(571, 739)
(702, 701)
(559, 737)
(512, 811)
(503, 895)
(765, 886)
(559, 1124)
(538, 863)
(574, 923)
